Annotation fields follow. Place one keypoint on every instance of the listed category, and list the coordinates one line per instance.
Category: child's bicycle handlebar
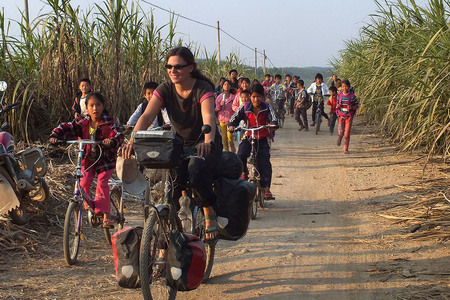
(253, 130)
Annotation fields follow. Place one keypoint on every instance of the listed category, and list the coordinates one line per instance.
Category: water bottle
(185, 214)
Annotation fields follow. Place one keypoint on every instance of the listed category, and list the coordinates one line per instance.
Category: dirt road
(321, 238)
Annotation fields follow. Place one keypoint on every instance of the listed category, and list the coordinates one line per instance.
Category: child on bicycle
(100, 126)
(256, 113)
(319, 91)
(332, 103)
(301, 106)
(346, 106)
(79, 104)
(224, 105)
(279, 96)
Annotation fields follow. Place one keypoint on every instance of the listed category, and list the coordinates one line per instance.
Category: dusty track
(321, 238)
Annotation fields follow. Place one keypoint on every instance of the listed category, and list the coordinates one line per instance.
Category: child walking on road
(332, 103)
(301, 106)
(346, 104)
(224, 105)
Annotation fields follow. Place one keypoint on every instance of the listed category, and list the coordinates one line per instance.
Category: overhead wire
(210, 26)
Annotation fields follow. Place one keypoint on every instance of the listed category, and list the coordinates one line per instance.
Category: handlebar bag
(125, 245)
(234, 200)
(186, 261)
(158, 149)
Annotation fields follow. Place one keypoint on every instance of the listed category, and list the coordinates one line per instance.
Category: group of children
(237, 101)
(343, 103)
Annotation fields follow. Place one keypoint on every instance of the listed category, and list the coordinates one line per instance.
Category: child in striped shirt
(346, 105)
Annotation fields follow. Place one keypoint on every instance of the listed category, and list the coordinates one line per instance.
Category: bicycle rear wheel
(116, 198)
(154, 249)
(209, 247)
(72, 233)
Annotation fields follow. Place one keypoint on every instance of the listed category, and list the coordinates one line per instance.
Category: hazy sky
(293, 33)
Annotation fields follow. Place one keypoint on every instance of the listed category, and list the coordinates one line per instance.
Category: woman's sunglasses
(176, 67)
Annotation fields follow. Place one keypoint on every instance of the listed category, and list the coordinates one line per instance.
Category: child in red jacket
(257, 113)
(332, 103)
(100, 126)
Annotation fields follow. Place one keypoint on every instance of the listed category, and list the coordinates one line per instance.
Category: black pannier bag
(229, 165)
(234, 199)
(126, 244)
(186, 261)
(158, 149)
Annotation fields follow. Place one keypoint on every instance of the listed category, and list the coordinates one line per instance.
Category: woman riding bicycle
(189, 99)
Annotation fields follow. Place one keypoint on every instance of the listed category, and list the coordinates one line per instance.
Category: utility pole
(27, 15)
(218, 44)
(256, 61)
(264, 62)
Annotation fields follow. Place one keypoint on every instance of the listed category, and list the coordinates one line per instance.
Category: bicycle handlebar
(84, 141)
(7, 108)
(255, 128)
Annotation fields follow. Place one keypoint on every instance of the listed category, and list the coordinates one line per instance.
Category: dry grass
(426, 214)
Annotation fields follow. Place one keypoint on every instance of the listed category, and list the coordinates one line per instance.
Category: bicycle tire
(260, 195)
(71, 230)
(152, 287)
(255, 204)
(318, 121)
(115, 196)
(209, 247)
(281, 121)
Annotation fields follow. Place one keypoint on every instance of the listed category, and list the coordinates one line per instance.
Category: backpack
(234, 199)
(126, 244)
(186, 261)
(229, 165)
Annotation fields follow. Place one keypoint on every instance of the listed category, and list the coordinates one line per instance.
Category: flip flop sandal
(212, 229)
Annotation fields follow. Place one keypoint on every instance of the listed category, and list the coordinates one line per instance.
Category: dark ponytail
(188, 57)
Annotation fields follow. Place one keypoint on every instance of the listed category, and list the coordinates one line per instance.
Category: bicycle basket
(158, 149)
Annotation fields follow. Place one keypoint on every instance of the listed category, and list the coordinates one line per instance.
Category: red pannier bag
(126, 244)
(186, 261)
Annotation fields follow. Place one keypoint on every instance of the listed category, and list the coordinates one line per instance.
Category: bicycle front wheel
(152, 259)
(281, 120)
(255, 203)
(260, 195)
(72, 233)
(318, 121)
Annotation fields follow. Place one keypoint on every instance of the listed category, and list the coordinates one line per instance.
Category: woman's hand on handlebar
(204, 149)
(107, 142)
(53, 140)
(231, 128)
(128, 150)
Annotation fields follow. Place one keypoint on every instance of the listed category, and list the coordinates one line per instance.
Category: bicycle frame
(80, 195)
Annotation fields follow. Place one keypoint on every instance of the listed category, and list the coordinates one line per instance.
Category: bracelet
(133, 133)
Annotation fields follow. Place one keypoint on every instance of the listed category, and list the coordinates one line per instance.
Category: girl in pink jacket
(224, 105)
